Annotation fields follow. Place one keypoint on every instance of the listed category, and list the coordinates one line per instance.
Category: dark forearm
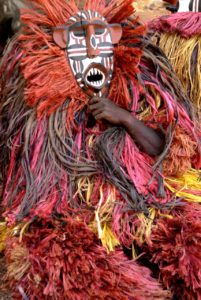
(147, 138)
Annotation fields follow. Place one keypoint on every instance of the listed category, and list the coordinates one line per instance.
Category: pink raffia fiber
(186, 24)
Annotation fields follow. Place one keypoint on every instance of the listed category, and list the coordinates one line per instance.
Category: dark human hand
(105, 109)
(148, 139)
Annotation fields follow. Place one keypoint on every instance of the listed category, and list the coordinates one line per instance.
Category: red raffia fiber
(45, 66)
(178, 160)
(175, 246)
(65, 261)
(186, 24)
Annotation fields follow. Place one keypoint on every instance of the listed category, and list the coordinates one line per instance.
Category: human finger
(94, 100)
(95, 106)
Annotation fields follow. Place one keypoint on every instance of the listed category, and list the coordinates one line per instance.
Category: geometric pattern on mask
(77, 48)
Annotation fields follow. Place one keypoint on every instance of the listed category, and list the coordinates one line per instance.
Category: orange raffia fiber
(49, 81)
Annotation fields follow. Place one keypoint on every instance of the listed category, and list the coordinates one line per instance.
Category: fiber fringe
(185, 57)
(185, 24)
(180, 39)
(187, 186)
(73, 264)
(87, 190)
(175, 247)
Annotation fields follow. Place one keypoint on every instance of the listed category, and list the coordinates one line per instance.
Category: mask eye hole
(100, 31)
(79, 33)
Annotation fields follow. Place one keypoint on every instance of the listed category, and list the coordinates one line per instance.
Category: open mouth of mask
(95, 78)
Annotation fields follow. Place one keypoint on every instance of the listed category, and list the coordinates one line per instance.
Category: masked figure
(182, 44)
(100, 151)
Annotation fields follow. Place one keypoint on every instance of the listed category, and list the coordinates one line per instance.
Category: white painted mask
(89, 41)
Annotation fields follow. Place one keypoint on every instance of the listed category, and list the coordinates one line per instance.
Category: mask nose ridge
(91, 42)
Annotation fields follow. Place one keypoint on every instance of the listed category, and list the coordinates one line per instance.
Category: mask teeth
(95, 71)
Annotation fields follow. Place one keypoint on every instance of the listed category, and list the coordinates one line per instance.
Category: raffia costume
(86, 211)
(180, 39)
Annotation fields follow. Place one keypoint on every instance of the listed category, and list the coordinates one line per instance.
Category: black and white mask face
(88, 40)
